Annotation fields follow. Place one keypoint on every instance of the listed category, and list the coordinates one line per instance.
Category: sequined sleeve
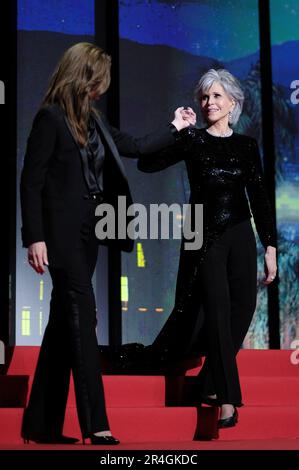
(258, 198)
(178, 151)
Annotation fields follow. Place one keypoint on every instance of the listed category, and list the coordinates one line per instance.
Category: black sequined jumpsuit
(216, 285)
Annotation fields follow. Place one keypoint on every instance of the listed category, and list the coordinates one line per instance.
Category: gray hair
(230, 85)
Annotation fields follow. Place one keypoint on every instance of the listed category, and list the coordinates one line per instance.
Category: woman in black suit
(71, 165)
(216, 286)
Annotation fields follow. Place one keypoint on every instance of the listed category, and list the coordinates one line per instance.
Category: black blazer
(53, 183)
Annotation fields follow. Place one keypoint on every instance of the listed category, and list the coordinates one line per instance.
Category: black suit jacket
(53, 183)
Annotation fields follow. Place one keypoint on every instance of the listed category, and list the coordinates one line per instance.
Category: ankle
(227, 410)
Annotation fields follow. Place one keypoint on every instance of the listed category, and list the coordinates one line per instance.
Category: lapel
(82, 152)
(107, 136)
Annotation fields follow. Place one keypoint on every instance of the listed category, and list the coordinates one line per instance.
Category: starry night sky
(226, 30)
(61, 16)
(284, 21)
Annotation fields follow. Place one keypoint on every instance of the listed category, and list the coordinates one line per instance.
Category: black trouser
(70, 343)
(228, 281)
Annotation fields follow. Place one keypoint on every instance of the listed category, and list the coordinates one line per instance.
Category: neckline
(219, 136)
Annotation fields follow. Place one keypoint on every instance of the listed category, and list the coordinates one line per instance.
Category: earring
(230, 116)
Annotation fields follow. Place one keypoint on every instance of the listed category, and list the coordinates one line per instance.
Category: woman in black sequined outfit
(216, 286)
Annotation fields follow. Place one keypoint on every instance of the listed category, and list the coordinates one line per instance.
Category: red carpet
(140, 419)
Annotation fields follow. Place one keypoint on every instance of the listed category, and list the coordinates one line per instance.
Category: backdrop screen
(285, 73)
(165, 46)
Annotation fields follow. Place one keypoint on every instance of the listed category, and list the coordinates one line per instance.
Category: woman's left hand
(270, 265)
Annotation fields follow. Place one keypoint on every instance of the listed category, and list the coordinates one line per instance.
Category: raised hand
(183, 117)
(189, 115)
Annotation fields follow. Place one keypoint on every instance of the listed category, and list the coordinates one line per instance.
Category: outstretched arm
(164, 137)
(166, 157)
(172, 154)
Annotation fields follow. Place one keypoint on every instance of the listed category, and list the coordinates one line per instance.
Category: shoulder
(246, 139)
(50, 114)
(247, 144)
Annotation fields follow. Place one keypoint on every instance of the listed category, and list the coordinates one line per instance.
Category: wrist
(177, 125)
(174, 131)
(270, 249)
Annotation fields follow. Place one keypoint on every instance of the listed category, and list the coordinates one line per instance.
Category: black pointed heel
(229, 422)
(101, 440)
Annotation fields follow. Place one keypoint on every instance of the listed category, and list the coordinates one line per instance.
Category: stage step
(251, 362)
(128, 424)
(171, 424)
(13, 390)
(265, 422)
(130, 391)
(126, 391)
(263, 363)
(270, 391)
(265, 391)
(147, 391)
(156, 408)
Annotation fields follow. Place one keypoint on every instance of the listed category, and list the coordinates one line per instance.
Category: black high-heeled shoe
(101, 440)
(50, 439)
(230, 421)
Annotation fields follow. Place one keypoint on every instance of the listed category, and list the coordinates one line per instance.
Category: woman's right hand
(38, 257)
(183, 118)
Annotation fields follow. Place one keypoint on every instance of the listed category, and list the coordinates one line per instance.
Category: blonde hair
(83, 68)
